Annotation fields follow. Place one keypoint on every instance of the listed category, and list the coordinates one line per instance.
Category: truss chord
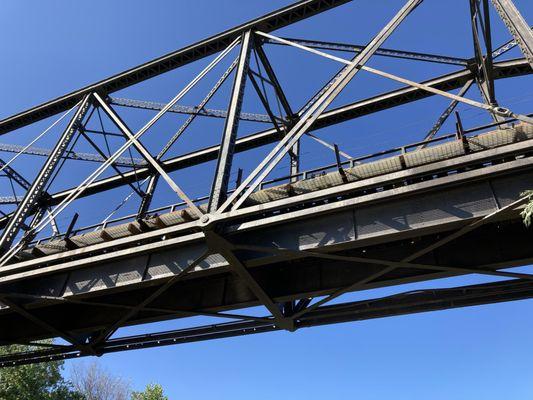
(193, 111)
(355, 48)
(42, 152)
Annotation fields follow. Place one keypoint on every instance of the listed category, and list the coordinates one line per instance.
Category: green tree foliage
(527, 213)
(34, 382)
(152, 392)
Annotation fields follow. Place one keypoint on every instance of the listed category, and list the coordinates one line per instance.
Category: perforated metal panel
(434, 154)
(375, 168)
(424, 211)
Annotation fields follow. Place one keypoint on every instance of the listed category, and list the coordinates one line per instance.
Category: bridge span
(277, 252)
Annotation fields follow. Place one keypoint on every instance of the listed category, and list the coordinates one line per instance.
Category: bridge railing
(303, 175)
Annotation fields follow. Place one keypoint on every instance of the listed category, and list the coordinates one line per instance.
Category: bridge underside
(279, 251)
(503, 244)
(295, 248)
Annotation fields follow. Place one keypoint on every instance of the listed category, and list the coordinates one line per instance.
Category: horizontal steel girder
(283, 281)
(267, 23)
(395, 305)
(179, 109)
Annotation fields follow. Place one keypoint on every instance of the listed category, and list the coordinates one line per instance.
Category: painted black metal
(397, 305)
(268, 23)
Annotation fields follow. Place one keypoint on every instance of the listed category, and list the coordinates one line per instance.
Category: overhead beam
(71, 155)
(357, 48)
(189, 110)
(204, 48)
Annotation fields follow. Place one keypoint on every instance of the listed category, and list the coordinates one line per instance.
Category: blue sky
(50, 48)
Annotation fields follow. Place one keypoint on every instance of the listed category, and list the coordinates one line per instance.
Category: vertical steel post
(148, 195)
(517, 25)
(483, 67)
(294, 160)
(34, 193)
(219, 188)
(487, 35)
(290, 116)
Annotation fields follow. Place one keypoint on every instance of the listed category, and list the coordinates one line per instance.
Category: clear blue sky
(50, 48)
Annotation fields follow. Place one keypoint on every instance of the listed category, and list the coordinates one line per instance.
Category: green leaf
(152, 392)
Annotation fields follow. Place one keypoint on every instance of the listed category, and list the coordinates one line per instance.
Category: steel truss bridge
(446, 206)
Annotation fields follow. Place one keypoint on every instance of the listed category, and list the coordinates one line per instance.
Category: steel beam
(219, 188)
(145, 153)
(356, 48)
(220, 245)
(42, 152)
(395, 305)
(446, 113)
(105, 158)
(290, 116)
(193, 111)
(517, 26)
(106, 333)
(33, 194)
(10, 172)
(267, 23)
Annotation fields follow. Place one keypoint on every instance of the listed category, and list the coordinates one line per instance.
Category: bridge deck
(400, 209)
(319, 181)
